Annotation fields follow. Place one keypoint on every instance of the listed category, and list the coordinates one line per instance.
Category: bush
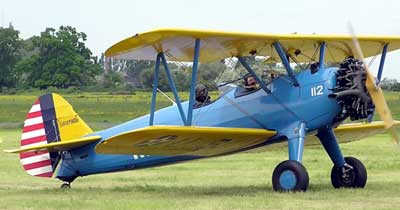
(8, 91)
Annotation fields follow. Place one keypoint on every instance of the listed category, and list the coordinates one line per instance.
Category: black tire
(65, 186)
(356, 178)
(290, 175)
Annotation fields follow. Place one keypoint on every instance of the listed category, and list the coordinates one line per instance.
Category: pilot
(202, 97)
(250, 83)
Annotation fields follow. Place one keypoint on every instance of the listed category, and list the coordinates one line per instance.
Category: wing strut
(381, 64)
(193, 83)
(251, 71)
(322, 55)
(242, 61)
(285, 62)
(155, 87)
(379, 75)
(186, 119)
(173, 87)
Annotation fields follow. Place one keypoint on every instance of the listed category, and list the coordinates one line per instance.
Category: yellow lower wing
(344, 133)
(180, 140)
(58, 146)
(357, 131)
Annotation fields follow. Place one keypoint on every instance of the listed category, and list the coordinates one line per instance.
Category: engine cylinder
(350, 91)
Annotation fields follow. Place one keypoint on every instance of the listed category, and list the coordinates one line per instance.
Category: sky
(107, 22)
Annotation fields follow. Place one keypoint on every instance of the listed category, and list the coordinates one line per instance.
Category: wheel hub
(348, 175)
(288, 180)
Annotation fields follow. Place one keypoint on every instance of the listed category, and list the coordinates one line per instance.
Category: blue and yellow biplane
(296, 109)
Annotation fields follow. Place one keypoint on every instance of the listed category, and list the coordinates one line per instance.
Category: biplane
(295, 109)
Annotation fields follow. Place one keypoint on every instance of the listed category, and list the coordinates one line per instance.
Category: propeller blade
(376, 93)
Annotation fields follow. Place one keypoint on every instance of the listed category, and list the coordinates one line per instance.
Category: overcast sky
(107, 22)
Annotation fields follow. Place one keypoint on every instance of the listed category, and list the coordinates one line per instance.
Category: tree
(134, 68)
(10, 46)
(181, 78)
(209, 73)
(62, 60)
(390, 84)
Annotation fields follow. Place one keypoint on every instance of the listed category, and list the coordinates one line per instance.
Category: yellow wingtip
(11, 150)
(395, 135)
(58, 146)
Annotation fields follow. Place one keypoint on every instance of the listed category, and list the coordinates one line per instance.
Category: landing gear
(67, 180)
(346, 172)
(66, 185)
(290, 175)
(352, 174)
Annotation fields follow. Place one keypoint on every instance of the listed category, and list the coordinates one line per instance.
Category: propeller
(376, 93)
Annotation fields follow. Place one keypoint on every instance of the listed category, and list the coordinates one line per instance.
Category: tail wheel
(353, 174)
(290, 175)
(66, 185)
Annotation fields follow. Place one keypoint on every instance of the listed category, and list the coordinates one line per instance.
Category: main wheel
(353, 174)
(290, 175)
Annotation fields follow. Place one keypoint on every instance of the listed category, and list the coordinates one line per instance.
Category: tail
(51, 119)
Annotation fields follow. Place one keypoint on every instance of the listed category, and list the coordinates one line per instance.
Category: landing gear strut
(290, 175)
(346, 172)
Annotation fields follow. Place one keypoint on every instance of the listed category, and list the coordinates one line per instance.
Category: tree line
(59, 58)
(56, 58)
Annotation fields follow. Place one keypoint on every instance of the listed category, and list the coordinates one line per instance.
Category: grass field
(241, 181)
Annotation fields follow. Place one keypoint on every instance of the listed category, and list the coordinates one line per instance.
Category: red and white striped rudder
(34, 134)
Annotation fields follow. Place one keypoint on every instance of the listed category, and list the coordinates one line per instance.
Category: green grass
(241, 181)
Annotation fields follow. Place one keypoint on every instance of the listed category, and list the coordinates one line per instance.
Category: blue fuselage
(286, 104)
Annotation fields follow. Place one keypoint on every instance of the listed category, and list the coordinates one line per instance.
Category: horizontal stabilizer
(181, 140)
(57, 146)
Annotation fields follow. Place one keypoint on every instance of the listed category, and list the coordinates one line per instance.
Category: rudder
(50, 119)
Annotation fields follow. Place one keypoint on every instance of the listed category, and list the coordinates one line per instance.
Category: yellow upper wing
(180, 140)
(178, 45)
